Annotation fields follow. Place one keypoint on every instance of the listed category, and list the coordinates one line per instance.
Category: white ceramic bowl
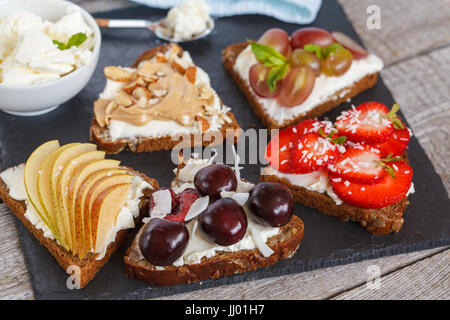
(40, 98)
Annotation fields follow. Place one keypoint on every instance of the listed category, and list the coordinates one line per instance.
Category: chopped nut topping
(124, 99)
(117, 74)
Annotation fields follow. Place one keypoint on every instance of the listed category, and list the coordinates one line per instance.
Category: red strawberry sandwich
(355, 169)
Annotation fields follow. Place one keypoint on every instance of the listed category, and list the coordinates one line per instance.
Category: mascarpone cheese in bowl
(35, 76)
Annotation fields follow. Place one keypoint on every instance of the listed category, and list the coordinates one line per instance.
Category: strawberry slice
(387, 191)
(370, 122)
(185, 199)
(279, 148)
(396, 144)
(311, 153)
(358, 164)
(286, 139)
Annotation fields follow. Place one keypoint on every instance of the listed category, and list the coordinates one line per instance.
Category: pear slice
(105, 209)
(79, 176)
(62, 219)
(62, 187)
(92, 194)
(32, 170)
(45, 191)
(80, 197)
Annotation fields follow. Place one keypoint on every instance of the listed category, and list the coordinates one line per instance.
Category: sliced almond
(140, 82)
(161, 58)
(191, 73)
(159, 92)
(176, 66)
(142, 102)
(117, 74)
(145, 69)
(203, 123)
(141, 92)
(123, 99)
(130, 87)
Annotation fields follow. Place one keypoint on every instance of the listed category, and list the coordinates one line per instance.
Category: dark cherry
(163, 241)
(271, 204)
(224, 222)
(215, 178)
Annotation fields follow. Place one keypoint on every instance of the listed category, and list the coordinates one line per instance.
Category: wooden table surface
(414, 43)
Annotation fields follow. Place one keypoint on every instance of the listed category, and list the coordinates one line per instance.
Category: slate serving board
(327, 241)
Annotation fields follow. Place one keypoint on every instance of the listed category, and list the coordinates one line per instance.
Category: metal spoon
(156, 27)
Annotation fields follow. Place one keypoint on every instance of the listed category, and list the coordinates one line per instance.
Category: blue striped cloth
(295, 11)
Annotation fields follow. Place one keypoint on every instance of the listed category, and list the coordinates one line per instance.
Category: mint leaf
(61, 46)
(314, 48)
(275, 74)
(267, 55)
(75, 40)
(272, 59)
(323, 52)
(332, 48)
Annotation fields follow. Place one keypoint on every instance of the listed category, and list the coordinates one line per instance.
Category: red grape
(278, 39)
(258, 80)
(310, 35)
(357, 51)
(297, 86)
(337, 62)
(302, 58)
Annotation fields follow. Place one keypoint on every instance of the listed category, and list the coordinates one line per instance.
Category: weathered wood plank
(14, 279)
(421, 86)
(318, 284)
(412, 282)
(407, 27)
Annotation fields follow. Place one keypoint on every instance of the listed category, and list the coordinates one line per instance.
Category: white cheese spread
(118, 129)
(28, 54)
(324, 88)
(187, 20)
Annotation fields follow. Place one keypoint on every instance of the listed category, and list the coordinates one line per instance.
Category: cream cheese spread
(118, 129)
(324, 88)
(28, 54)
(317, 181)
(186, 21)
(14, 180)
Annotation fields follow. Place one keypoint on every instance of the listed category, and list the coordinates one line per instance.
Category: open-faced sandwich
(76, 203)
(162, 100)
(289, 79)
(210, 224)
(356, 168)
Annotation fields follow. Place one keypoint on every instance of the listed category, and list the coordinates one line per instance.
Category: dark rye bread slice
(89, 266)
(284, 245)
(229, 56)
(100, 136)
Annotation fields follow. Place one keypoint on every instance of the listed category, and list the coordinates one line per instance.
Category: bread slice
(376, 221)
(229, 56)
(89, 266)
(100, 136)
(284, 245)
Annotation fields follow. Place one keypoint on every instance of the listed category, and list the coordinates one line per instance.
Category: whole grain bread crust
(230, 131)
(229, 56)
(89, 266)
(284, 244)
(376, 221)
